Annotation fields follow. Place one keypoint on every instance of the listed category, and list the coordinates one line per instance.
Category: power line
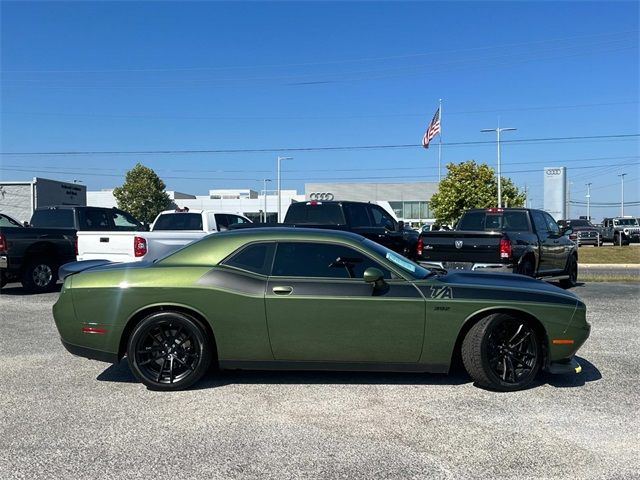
(319, 149)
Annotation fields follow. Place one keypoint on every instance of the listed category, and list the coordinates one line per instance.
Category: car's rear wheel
(502, 353)
(169, 351)
(40, 276)
(572, 271)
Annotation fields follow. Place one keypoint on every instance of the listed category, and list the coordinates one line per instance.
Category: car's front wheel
(572, 271)
(169, 351)
(502, 353)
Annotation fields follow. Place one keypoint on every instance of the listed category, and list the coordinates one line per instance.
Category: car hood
(507, 286)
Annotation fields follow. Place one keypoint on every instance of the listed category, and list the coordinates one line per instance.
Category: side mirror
(375, 276)
(568, 231)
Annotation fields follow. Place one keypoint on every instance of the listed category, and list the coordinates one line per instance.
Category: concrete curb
(621, 266)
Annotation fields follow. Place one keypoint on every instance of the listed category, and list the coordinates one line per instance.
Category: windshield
(179, 221)
(627, 222)
(413, 269)
(579, 223)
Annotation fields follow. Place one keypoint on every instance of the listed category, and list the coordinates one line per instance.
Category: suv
(620, 230)
(584, 233)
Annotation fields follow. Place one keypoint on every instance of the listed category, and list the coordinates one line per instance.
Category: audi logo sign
(321, 196)
(554, 171)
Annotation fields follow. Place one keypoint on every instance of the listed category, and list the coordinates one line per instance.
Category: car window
(315, 213)
(124, 221)
(54, 218)
(222, 221)
(552, 226)
(179, 221)
(94, 219)
(8, 222)
(321, 260)
(255, 258)
(380, 217)
(234, 219)
(539, 221)
(357, 214)
(515, 222)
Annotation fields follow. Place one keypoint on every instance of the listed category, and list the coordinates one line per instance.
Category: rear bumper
(90, 353)
(485, 267)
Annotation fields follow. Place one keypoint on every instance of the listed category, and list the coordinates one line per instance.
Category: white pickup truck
(171, 230)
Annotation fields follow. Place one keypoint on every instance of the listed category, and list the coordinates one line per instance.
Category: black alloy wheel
(40, 276)
(571, 270)
(169, 351)
(502, 353)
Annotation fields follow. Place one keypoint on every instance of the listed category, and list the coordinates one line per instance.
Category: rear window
(315, 213)
(179, 221)
(488, 221)
(53, 218)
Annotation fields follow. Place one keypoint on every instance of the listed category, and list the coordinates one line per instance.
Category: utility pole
(498, 132)
(265, 198)
(622, 194)
(279, 189)
(588, 195)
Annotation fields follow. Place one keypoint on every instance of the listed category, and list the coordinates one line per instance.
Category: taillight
(3, 242)
(505, 248)
(139, 246)
(420, 247)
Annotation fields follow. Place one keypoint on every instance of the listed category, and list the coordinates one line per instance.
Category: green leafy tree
(142, 194)
(469, 185)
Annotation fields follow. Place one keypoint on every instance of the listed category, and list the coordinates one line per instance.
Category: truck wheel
(572, 271)
(40, 276)
(502, 353)
(3, 281)
(527, 268)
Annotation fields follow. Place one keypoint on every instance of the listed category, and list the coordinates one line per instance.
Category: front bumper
(563, 367)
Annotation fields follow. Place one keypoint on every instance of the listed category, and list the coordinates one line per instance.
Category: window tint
(7, 222)
(222, 222)
(551, 224)
(312, 212)
(54, 218)
(233, 219)
(179, 221)
(321, 260)
(358, 215)
(380, 217)
(124, 221)
(94, 219)
(472, 221)
(539, 221)
(254, 258)
(511, 221)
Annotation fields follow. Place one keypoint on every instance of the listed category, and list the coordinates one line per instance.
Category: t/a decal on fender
(441, 292)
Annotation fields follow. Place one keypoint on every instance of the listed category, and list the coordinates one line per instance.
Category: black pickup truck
(367, 219)
(33, 254)
(516, 240)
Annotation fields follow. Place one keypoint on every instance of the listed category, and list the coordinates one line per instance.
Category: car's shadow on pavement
(15, 289)
(120, 373)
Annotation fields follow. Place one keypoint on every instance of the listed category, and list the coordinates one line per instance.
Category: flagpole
(440, 144)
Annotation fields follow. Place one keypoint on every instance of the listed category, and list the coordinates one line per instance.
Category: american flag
(432, 130)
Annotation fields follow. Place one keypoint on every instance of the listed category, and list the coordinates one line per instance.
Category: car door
(546, 262)
(561, 245)
(319, 308)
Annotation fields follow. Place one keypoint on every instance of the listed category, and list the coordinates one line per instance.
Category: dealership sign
(555, 192)
(327, 196)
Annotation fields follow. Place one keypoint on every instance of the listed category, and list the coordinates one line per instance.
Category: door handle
(282, 290)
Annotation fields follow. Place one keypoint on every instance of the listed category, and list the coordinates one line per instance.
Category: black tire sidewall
(27, 276)
(204, 349)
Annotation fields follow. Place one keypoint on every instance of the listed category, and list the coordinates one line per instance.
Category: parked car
(620, 230)
(295, 298)
(584, 232)
(32, 255)
(517, 240)
(171, 230)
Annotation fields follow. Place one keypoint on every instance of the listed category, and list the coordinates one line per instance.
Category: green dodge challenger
(289, 298)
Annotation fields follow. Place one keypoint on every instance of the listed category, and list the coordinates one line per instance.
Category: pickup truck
(32, 255)
(620, 230)
(171, 230)
(367, 219)
(516, 240)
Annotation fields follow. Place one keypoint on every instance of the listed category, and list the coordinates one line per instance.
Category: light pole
(279, 190)
(622, 194)
(588, 195)
(265, 198)
(498, 132)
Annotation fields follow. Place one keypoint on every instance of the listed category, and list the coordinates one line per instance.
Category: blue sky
(82, 76)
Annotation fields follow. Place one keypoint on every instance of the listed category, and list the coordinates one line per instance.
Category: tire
(40, 276)
(571, 270)
(3, 281)
(169, 351)
(502, 353)
(527, 268)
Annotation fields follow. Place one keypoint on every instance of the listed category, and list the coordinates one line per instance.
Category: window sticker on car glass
(401, 262)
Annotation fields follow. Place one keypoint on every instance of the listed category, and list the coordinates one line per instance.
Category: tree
(469, 185)
(142, 194)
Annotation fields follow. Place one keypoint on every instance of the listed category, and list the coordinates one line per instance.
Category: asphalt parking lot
(68, 417)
